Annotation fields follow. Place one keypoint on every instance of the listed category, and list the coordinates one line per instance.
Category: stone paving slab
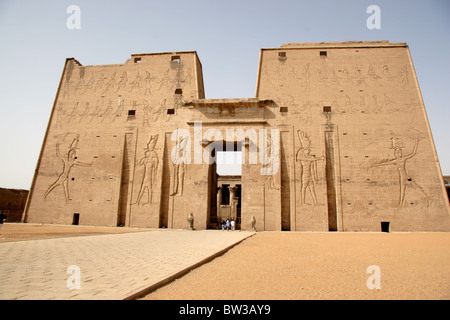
(113, 266)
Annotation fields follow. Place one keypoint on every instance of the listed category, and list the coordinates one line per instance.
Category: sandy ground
(299, 265)
(21, 231)
(287, 266)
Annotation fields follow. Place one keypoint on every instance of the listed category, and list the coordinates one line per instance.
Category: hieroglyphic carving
(360, 79)
(97, 111)
(123, 81)
(99, 83)
(90, 84)
(85, 113)
(148, 82)
(102, 84)
(112, 81)
(178, 100)
(399, 160)
(136, 83)
(346, 76)
(107, 112)
(60, 114)
(404, 75)
(386, 74)
(307, 75)
(73, 114)
(70, 160)
(373, 75)
(119, 110)
(150, 163)
(146, 118)
(88, 113)
(333, 78)
(308, 169)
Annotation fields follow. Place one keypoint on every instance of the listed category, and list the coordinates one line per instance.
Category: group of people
(228, 224)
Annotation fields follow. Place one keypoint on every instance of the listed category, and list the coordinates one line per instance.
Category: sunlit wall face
(229, 163)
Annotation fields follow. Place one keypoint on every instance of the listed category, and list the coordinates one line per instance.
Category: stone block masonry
(348, 142)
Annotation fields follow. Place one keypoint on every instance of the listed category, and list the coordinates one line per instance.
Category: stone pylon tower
(335, 139)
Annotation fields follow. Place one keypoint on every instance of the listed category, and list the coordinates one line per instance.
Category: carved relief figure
(150, 164)
(146, 122)
(97, 111)
(307, 75)
(376, 78)
(148, 81)
(333, 78)
(404, 74)
(374, 105)
(347, 76)
(270, 166)
(179, 168)
(99, 83)
(108, 110)
(399, 161)
(360, 79)
(73, 114)
(69, 160)
(90, 84)
(123, 81)
(308, 163)
(119, 110)
(161, 110)
(85, 113)
(60, 114)
(136, 82)
(387, 74)
(112, 81)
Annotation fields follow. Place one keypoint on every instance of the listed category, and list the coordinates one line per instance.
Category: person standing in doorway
(2, 219)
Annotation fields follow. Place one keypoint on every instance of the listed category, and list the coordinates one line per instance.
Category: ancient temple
(335, 139)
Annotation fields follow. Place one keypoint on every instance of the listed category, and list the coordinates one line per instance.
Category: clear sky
(227, 36)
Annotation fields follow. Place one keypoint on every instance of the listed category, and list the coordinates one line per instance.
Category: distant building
(447, 185)
(12, 202)
(335, 139)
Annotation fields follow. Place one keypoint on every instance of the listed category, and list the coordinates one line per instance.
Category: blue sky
(227, 35)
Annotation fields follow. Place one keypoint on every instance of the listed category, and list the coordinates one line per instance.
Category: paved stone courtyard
(112, 266)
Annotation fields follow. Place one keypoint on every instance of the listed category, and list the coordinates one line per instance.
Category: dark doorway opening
(76, 219)
(225, 188)
(385, 226)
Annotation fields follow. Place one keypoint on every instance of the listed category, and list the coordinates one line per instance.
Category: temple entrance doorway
(225, 187)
